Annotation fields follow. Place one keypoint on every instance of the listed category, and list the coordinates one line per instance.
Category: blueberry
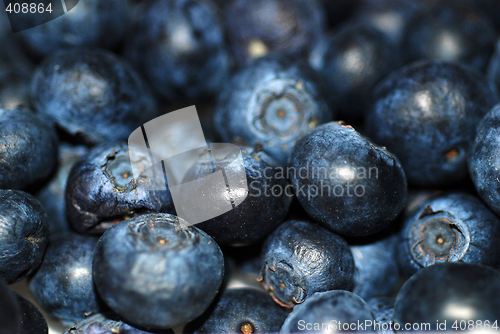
(426, 114)
(301, 258)
(264, 208)
(484, 159)
(179, 45)
(458, 293)
(383, 311)
(105, 324)
(271, 103)
(241, 310)
(345, 182)
(376, 270)
(63, 284)
(351, 62)
(91, 94)
(32, 321)
(102, 191)
(156, 272)
(24, 234)
(285, 27)
(28, 147)
(92, 23)
(451, 32)
(10, 311)
(450, 227)
(330, 312)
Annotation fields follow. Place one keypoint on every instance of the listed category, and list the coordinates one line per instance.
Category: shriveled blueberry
(345, 182)
(383, 310)
(24, 234)
(10, 311)
(28, 147)
(180, 48)
(155, 271)
(450, 227)
(447, 295)
(334, 311)
(241, 310)
(105, 324)
(271, 103)
(91, 94)
(301, 258)
(260, 27)
(264, 208)
(92, 23)
(32, 320)
(102, 191)
(426, 114)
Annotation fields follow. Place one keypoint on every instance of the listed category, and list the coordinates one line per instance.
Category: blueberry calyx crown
(280, 282)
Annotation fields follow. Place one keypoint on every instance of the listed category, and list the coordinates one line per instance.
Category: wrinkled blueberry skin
(101, 190)
(350, 186)
(376, 270)
(426, 114)
(452, 33)
(285, 27)
(241, 310)
(180, 48)
(63, 284)
(52, 194)
(484, 159)
(332, 308)
(156, 272)
(28, 147)
(105, 324)
(469, 232)
(32, 320)
(383, 311)
(270, 102)
(301, 258)
(24, 234)
(260, 212)
(444, 291)
(92, 23)
(351, 62)
(10, 311)
(91, 94)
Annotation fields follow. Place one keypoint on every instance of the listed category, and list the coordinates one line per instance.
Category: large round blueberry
(180, 48)
(345, 182)
(241, 310)
(24, 234)
(333, 311)
(28, 147)
(10, 311)
(32, 320)
(301, 258)
(267, 191)
(450, 227)
(92, 23)
(271, 103)
(447, 295)
(426, 114)
(156, 272)
(101, 189)
(260, 27)
(91, 94)
(106, 324)
(63, 284)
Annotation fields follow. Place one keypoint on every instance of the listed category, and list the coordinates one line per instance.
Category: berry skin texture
(28, 147)
(301, 258)
(426, 114)
(24, 234)
(449, 292)
(157, 273)
(484, 159)
(32, 320)
(10, 311)
(383, 311)
(242, 310)
(271, 103)
(328, 312)
(451, 227)
(346, 183)
(105, 324)
(91, 94)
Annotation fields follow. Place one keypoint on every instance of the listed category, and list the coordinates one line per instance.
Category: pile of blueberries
(370, 139)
